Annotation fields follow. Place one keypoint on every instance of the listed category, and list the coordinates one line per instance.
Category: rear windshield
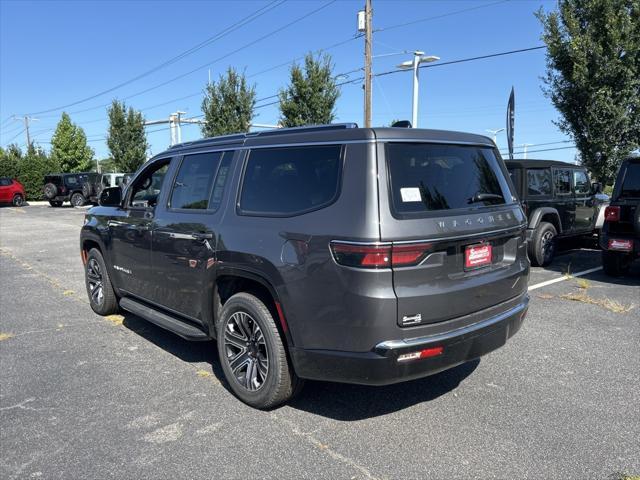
(430, 177)
(631, 182)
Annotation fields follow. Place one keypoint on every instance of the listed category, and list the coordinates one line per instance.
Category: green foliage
(593, 78)
(10, 161)
(108, 165)
(29, 168)
(228, 105)
(69, 147)
(311, 96)
(127, 140)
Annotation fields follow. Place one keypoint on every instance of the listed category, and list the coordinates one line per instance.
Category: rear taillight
(612, 214)
(379, 255)
(424, 353)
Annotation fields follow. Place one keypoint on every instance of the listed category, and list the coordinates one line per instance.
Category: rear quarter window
(290, 181)
(631, 181)
(539, 182)
(431, 177)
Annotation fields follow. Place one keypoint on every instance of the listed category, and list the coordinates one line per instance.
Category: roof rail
(266, 133)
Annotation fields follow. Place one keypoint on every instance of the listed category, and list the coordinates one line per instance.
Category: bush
(29, 169)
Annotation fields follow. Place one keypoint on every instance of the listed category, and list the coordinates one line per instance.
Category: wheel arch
(545, 214)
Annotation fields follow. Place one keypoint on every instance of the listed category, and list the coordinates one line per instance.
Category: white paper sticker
(410, 194)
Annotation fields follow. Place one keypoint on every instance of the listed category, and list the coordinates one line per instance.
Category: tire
(18, 200)
(55, 204)
(543, 245)
(615, 264)
(50, 191)
(247, 336)
(102, 298)
(78, 200)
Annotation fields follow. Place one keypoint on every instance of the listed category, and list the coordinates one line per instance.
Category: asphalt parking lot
(82, 396)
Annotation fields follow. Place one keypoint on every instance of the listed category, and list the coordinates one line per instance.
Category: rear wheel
(55, 204)
(78, 200)
(543, 245)
(102, 298)
(18, 200)
(252, 353)
(615, 264)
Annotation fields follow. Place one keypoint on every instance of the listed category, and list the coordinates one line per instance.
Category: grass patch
(611, 305)
(115, 319)
(203, 373)
(623, 476)
(582, 283)
(6, 336)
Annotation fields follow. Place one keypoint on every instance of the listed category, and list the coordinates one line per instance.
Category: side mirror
(110, 197)
(596, 187)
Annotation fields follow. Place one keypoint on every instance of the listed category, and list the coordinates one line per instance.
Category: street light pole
(418, 58)
(495, 133)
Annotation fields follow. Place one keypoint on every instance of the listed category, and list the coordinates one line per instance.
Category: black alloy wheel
(246, 351)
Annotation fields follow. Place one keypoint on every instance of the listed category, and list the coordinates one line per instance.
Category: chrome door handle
(202, 236)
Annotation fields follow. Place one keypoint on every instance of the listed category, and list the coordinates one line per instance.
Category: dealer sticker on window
(410, 194)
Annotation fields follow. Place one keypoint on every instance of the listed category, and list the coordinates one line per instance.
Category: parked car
(11, 191)
(336, 253)
(115, 179)
(559, 200)
(76, 188)
(620, 239)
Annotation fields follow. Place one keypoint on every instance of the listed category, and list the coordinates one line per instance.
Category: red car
(11, 191)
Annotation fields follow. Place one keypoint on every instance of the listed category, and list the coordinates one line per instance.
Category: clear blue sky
(53, 53)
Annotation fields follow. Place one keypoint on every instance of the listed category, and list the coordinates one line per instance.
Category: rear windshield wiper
(482, 196)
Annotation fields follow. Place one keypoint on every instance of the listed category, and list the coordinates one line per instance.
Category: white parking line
(563, 278)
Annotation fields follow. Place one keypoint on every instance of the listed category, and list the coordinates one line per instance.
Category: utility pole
(525, 145)
(495, 133)
(368, 15)
(26, 119)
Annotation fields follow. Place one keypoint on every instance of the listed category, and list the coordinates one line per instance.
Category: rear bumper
(381, 366)
(604, 243)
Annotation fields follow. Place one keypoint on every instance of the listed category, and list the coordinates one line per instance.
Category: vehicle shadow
(348, 403)
(338, 401)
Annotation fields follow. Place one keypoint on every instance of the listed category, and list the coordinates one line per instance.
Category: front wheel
(252, 353)
(543, 245)
(18, 200)
(615, 264)
(102, 298)
(78, 200)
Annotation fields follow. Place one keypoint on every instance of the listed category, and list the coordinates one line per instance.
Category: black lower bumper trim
(381, 366)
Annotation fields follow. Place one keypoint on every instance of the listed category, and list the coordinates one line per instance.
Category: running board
(163, 320)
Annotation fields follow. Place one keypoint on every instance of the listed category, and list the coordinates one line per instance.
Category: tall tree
(228, 105)
(69, 147)
(35, 164)
(311, 96)
(593, 78)
(10, 160)
(127, 140)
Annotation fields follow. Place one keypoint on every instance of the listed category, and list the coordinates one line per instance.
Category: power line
(174, 59)
(426, 19)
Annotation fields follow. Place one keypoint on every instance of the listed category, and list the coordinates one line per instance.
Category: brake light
(379, 255)
(612, 214)
(425, 353)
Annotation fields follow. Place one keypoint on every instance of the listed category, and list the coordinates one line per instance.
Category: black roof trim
(533, 163)
(240, 137)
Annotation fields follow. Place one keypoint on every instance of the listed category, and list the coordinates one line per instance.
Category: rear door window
(429, 177)
(290, 180)
(539, 181)
(631, 181)
(193, 184)
(562, 181)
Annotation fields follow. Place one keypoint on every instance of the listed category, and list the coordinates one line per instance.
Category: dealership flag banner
(510, 121)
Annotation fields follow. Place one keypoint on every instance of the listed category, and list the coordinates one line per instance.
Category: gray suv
(359, 255)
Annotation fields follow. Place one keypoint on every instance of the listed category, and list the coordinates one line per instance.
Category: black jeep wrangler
(76, 188)
(559, 201)
(620, 238)
(361, 255)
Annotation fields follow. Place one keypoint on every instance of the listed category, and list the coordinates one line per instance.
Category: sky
(57, 55)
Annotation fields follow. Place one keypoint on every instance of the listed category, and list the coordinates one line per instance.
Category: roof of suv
(532, 163)
(341, 132)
